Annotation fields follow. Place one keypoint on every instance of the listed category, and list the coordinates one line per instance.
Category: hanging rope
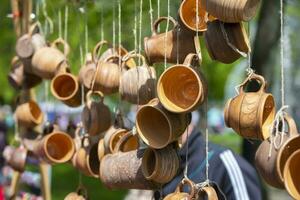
(86, 30)
(135, 27)
(48, 20)
(114, 25)
(59, 24)
(120, 27)
(158, 11)
(186, 168)
(166, 34)
(102, 24)
(282, 54)
(66, 23)
(151, 13)
(140, 28)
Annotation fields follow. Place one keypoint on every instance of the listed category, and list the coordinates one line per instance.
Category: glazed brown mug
(111, 51)
(30, 42)
(80, 194)
(179, 195)
(17, 159)
(107, 75)
(124, 171)
(231, 11)
(96, 116)
(182, 88)
(188, 15)
(55, 148)
(160, 165)
(173, 46)
(111, 138)
(165, 129)
(207, 192)
(226, 42)
(251, 114)
(29, 114)
(267, 166)
(47, 60)
(87, 72)
(65, 87)
(141, 87)
(126, 143)
(291, 175)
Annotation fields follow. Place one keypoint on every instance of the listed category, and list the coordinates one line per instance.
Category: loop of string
(250, 73)
(166, 34)
(48, 20)
(234, 48)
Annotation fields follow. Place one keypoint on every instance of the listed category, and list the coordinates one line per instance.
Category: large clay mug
(126, 143)
(30, 42)
(141, 87)
(96, 116)
(251, 114)
(29, 114)
(207, 193)
(267, 166)
(46, 60)
(172, 46)
(165, 129)
(160, 165)
(80, 194)
(231, 11)
(111, 138)
(226, 42)
(18, 78)
(182, 88)
(291, 175)
(18, 159)
(179, 195)
(87, 72)
(55, 148)
(111, 51)
(188, 15)
(107, 75)
(124, 171)
(65, 87)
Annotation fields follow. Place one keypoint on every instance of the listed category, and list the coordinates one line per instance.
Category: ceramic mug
(29, 114)
(87, 72)
(172, 46)
(251, 114)
(179, 195)
(126, 143)
(182, 88)
(18, 159)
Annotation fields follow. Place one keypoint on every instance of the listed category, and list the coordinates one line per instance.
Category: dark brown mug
(172, 46)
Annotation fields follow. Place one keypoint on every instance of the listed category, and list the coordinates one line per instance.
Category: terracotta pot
(29, 114)
(182, 88)
(160, 165)
(123, 171)
(173, 46)
(188, 15)
(96, 116)
(179, 195)
(226, 42)
(208, 193)
(80, 194)
(141, 87)
(251, 114)
(267, 166)
(165, 129)
(87, 72)
(126, 143)
(111, 51)
(47, 60)
(55, 148)
(291, 175)
(111, 138)
(30, 42)
(19, 79)
(232, 11)
(65, 87)
(18, 158)
(107, 75)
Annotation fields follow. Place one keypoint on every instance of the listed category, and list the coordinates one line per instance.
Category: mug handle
(293, 130)
(191, 59)
(98, 47)
(35, 28)
(61, 41)
(256, 77)
(209, 191)
(134, 55)
(112, 58)
(85, 138)
(91, 93)
(81, 190)
(122, 140)
(159, 20)
(189, 183)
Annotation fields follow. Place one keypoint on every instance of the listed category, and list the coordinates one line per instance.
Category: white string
(158, 12)
(66, 23)
(249, 53)
(206, 151)
(114, 25)
(166, 34)
(59, 24)
(250, 73)
(82, 63)
(120, 26)
(86, 37)
(197, 26)
(282, 54)
(48, 20)
(46, 93)
(187, 154)
(135, 27)
(140, 28)
(151, 13)
(102, 24)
